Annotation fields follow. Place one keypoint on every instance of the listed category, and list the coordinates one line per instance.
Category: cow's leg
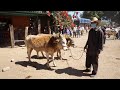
(57, 53)
(53, 60)
(42, 53)
(47, 56)
(38, 54)
(60, 54)
(29, 50)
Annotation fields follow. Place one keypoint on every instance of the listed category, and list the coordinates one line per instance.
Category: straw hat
(94, 19)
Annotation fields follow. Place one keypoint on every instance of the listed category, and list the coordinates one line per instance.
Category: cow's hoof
(29, 61)
(49, 68)
(54, 65)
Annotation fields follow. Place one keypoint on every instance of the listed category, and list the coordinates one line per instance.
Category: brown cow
(47, 43)
(70, 43)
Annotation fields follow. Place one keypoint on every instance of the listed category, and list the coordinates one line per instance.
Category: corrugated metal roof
(83, 20)
(23, 13)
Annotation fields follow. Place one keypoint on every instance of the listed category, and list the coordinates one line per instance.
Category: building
(82, 21)
(36, 21)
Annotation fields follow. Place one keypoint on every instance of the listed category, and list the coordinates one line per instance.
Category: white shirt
(74, 29)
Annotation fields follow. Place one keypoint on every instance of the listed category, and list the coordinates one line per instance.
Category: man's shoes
(87, 70)
(93, 74)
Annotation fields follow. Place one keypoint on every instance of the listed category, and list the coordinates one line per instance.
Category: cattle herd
(115, 32)
(48, 43)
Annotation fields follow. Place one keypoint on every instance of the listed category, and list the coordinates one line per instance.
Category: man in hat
(93, 47)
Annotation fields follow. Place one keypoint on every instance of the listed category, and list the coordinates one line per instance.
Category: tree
(113, 15)
(62, 18)
(91, 14)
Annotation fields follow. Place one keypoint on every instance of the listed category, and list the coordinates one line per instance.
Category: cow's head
(70, 42)
(61, 41)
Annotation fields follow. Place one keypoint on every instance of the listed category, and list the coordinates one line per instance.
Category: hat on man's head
(94, 19)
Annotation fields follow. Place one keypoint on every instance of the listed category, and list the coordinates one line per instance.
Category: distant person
(74, 31)
(82, 30)
(104, 31)
(78, 32)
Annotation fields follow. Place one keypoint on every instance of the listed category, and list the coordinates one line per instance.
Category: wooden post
(26, 33)
(39, 27)
(49, 30)
(12, 36)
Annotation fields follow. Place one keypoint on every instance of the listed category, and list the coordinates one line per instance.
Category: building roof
(83, 20)
(23, 13)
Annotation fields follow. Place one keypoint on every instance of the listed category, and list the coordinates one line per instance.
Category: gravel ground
(109, 63)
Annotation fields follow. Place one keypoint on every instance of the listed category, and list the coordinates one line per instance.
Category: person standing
(74, 31)
(82, 30)
(78, 32)
(119, 34)
(104, 31)
(93, 47)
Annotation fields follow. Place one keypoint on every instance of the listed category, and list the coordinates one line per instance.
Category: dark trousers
(92, 60)
(104, 39)
(74, 34)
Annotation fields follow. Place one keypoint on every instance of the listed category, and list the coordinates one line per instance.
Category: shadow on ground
(72, 71)
(33, 64)
(35, 57)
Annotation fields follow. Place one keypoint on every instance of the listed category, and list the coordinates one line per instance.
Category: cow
(70, 43)
(45, 42)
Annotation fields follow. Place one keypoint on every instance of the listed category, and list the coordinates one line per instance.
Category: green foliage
(91, 14)
(113, 15)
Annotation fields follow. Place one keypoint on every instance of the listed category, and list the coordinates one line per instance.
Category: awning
(83, 20)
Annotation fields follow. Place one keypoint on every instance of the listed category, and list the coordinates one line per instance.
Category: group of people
(74, 32)
(79, 30)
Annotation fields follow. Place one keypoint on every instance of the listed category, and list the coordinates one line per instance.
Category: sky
(72, 12)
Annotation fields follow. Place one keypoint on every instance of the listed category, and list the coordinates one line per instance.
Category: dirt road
(109, 63)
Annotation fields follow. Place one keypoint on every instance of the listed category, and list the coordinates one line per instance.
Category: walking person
(93, 47)
(74, 31)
